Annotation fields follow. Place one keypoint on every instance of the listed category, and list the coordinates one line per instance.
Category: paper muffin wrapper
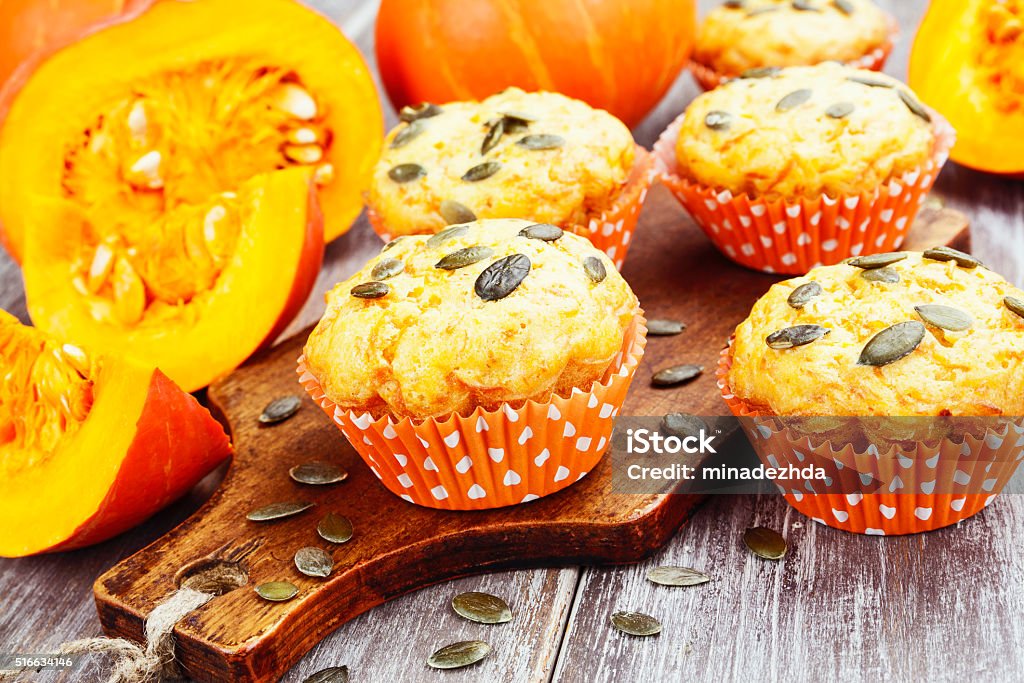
(792, 236)
(491, 459)
(610, 230)
(901, 491)
(709, 79)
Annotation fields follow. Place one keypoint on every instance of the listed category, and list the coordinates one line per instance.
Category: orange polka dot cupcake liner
(490, 459)
(610, 230)
(792, 236)
(899, 491)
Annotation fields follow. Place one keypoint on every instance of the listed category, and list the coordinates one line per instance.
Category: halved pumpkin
(968, 63)
(181, 100)
(90, 445)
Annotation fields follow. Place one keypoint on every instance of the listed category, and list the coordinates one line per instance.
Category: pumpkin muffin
(749, 36)
(539, 156)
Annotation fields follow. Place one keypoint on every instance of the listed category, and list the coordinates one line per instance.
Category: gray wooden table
(942, 606)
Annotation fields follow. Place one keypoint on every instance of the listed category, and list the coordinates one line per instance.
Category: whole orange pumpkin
(617, 55)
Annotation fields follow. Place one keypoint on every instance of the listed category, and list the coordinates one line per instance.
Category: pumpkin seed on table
(335, 674)
(844, 6)
(464, 257)
(370, 290)
(541, 142)
(718, 120)
(840, 110)
(280, 409)
(945, 317)
(677, 576)
(544, 232)
(406, 173)
(915, 107)
(664, 328)
(595, 269)
(1014, 305)
(451, 232)
(502, 277)
(494, 134)
(802, 295)
(798, 335)
(877, 260)
(335, 528)
(793, 100)
(481, 171)
(458, 655)
(676, 375)
(455, 213)
(387, 268)
(277, 591)
(482, 608)
(275, 511)
(892, 344)
(424, 110)
(765, 543)
(408, 134)
(885, 274)
(636, 624)
(317, 473)
(950, 254)
(682, 425)
(314, 562)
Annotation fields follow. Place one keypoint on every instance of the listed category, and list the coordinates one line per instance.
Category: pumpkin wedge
(175, 101)
(90, 445)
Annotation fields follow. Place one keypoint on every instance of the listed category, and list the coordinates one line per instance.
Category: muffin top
(955, 348)
(804, 131)
(749, 34)
(538, 155)
(477, 315)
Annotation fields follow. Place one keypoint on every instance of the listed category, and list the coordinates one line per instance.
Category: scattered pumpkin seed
(950, 254)
(802, 295)
(335, 528)
(314, 562)
(387, 268)
(482, 608)
(892, 344)
(464, 257)
(765, 543)
(1014, 305)
(370, 290)
(804, 6)
(915, 107)
(682, 425)
(844, 6)
(275, 511)
(317, 473)
(335, 674)
(677, 576)
(870, 82)
(277, 591)
(280, 409)
(544, 232)
(424, 110)
(664, 328)
(448, 233)
(408, 134)
(495, 131)
(877, 260)
(636, 624)
(799, 335)
(793, 100)
(676, 375)
(541, 142)
(840, 110)
(595, 269)
(455, 213)
(945, 317)
(761, 72)
(405, 173)
(718, 120)
(481, 171)
(458, 655)
(886, 275)
(501, 278)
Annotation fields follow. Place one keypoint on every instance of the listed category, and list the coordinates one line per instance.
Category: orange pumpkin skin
(614, 55)
(965, 63)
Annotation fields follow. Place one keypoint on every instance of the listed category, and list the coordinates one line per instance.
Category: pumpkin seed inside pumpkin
(950, 254)
(280, 409)
(840, 110)
(541, 142)
(335, 528)
(677, 576)
(544, 232)
(945, 317)
(482, 608)
(794, 100)
(464, 257)
(886, 275)
(594, 268)
(335, 674)
(387, 268)
(636, 624)
(792, 337)
(370, 290)
(502, 277)
(406, 173)
(802, 295)
(277, 591)
(481, 171)
(718, 120)
(664, 328)
(765, 543)
(455, 213)
(676, 375)
(275, 511)
(317, 473)
(314, 562)
(458, 655)
(892, 344)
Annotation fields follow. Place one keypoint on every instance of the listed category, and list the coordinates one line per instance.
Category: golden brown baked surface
(978, 371)
(432, 346)
(841, 137)
(578, 169)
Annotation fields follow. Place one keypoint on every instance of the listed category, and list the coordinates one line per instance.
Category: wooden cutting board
(399, 547)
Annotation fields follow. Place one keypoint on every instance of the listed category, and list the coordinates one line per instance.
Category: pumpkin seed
(799, 335)
(455, 213)
(518, 117)
(494, 134)
(481, 171)
(886, 275)
(275, 511)
(793, 100)
(277, 591)
(804, 6)
(844, 6)
(765, 543)
(636, 624)
(945, 317)
(393, 243)
(544, 232)
(802, 295)
(280, 409)
(464, 257)
(913, 105)
(892, 344)
(387, 268)
(676, 375)
(405, 173)
(317, 473)
(877, 260)
(370, 290)
(424, 110)
(303, 154)
(458, 655)
(408, 134)
(335, 674)
(314, 562)
(482, 608)
(949, 254)
(682, 425)
(870, 82)
(761, 72)
(1014, 305)
(594, 267)
(541, 142)
(840, 110)
(335, 528)
(677, 576)
(718, 120)
(734, 4)
(448, 233)
(664, 328)
(501, 278)
(762, 10)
